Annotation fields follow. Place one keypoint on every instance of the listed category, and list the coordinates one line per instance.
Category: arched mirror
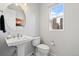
(20, 14)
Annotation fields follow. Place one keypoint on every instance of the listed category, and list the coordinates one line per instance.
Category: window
(56, 17)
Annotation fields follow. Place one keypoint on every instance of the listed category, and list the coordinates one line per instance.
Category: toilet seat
(43, 46)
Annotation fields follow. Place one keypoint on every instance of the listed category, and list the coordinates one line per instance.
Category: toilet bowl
(41, 49)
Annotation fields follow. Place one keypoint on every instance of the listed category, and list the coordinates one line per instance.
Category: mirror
(20, 14)
(56, 17)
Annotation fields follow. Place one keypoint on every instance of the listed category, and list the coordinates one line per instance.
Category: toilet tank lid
(36, 37)
(43, 46)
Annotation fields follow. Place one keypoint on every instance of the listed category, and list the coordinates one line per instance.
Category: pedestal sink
(19, 43)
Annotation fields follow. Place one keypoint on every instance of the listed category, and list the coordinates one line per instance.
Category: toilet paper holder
(53, 43)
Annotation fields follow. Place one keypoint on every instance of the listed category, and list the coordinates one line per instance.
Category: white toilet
(41, 49)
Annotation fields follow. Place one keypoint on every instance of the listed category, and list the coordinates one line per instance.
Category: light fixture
(16, 4)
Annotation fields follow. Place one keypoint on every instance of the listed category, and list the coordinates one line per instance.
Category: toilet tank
(36, 41)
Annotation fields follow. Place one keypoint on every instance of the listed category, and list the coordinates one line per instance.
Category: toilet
(40, 49)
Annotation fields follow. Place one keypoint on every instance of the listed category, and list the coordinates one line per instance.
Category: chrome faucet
(19, 35)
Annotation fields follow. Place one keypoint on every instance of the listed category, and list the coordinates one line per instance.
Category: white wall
(32, 20)
(3, 5)
(67, 41)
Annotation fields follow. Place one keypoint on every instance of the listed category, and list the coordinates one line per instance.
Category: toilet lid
(43, 46)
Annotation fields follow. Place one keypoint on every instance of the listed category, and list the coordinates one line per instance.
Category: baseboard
(29, 54)
(51, 54)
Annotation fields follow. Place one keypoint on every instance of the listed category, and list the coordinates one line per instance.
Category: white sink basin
(16, 41)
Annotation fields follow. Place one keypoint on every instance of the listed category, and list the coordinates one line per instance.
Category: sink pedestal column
(21, 50)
